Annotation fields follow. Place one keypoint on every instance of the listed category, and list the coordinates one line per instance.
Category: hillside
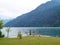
(45, 15)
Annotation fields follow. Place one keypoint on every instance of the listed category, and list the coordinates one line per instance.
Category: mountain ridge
(45, 15)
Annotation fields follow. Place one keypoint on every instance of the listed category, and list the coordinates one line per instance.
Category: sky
(14, 8)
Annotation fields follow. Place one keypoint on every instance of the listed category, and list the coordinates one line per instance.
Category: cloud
(14, 8)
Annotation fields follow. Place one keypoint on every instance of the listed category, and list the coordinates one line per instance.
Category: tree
(19, 35)
(8, 30)
(39, 33)
(1, 26)
(33, 33)
(1, 36)
(30, 32)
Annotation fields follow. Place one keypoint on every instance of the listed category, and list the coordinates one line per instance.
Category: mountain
(45, 15)
(5, 19)
(56, 0)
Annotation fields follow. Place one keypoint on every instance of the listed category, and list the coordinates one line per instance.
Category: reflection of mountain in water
(45, 15)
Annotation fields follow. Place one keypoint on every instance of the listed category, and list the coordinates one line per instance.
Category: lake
(49, 31)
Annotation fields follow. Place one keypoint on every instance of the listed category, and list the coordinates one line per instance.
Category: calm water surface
(50, 31)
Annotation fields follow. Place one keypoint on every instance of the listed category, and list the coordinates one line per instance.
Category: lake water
(49, 31)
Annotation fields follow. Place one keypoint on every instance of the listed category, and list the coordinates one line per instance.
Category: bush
(19, 35)
(1, 36)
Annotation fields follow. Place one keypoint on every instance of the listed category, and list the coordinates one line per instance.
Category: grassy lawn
(30, 41)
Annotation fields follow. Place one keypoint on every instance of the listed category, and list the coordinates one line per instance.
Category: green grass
(30, 41)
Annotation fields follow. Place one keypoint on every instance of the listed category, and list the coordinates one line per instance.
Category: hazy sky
(14, 8)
